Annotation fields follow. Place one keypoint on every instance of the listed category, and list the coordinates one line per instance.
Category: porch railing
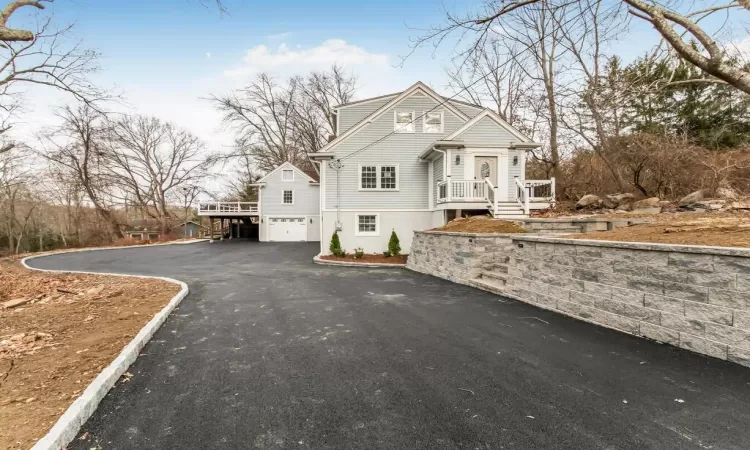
(236, 208)
(492, 196)
(540, 190)
(468, 190)
(522, 196)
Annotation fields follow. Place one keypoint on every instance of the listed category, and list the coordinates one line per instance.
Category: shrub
(394, 247)
(359, 253)
(335, 247)
(387, 254)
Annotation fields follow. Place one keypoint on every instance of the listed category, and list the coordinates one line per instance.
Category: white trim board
(378, 210)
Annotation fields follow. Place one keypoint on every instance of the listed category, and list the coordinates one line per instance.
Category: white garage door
(287, 229)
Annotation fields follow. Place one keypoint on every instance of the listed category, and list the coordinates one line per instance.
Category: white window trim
(442, 122)
(282, 197)
(403, 129)
(366, 233)
(287, 170)
(378, 177)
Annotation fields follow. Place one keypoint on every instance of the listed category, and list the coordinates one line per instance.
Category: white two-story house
(414, 160)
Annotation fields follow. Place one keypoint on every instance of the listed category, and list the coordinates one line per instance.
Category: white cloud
(262, 58)
(208, 55)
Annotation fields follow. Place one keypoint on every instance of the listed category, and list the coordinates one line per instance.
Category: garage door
(287, 229)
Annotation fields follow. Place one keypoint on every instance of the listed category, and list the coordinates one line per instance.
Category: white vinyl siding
(487, 133)
(351, 115)
(457, 170)
(437, 176)
(400, 149)
(287, 175)
(306, 196)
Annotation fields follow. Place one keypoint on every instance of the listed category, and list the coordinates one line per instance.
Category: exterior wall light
(458, 160)
(515, 160)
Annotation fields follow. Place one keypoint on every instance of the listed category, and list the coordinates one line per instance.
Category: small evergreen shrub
(387, 254)
(394, 247)
(359, 253)
(335, 247)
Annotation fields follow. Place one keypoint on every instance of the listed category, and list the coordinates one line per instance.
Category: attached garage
(287, 229)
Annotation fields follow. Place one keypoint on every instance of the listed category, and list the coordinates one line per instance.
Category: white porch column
(211, 229)
(503, 177)
(448, 164)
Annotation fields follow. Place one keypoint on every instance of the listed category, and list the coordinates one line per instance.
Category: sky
(168, 56)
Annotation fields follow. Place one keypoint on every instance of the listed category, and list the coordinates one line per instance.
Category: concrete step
(499, 268)
(493, 277)
(487, 285)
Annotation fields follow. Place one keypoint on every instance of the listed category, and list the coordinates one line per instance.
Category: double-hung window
(287, 175)
(287, 197)
(366, 225)
(404, 122)
(381, 177)
(432, 122)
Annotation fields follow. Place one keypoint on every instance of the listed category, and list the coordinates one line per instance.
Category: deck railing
(233, 208)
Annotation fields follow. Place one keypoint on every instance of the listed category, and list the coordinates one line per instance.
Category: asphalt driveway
(271, 351)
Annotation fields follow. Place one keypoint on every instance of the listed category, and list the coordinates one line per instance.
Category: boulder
(691, 198)
(647, 210)
(609, 203)
(587, 201)
(711, 204)
(664, 203)
(646, 203)
(624, 207)
(742, 204)
(621, 198)
(727, 193)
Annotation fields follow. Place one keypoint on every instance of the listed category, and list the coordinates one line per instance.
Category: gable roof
(365, 100)
(416, 87)
(493, 116)
(288, 165)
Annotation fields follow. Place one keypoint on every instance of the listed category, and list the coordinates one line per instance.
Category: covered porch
(231, 220)
(479, 194)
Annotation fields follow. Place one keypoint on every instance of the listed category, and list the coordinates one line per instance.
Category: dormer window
(432, 122)
(404, 122)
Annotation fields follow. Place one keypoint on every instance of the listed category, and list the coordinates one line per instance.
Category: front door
(486, 167)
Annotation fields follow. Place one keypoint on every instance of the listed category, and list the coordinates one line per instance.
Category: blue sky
(165, 55)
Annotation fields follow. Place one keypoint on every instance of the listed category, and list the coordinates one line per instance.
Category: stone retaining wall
(697, 298)
(458, 257)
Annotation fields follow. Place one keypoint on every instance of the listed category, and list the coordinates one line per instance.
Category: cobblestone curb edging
(69, 424)
(325, 262)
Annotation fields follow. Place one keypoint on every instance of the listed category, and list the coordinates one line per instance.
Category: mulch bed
(368, 259)
(57, 332)
(479, 224)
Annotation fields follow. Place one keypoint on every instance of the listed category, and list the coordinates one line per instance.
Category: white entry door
(486, 167)
(287, 229)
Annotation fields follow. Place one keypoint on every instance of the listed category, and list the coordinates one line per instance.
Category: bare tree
(150, 161)
(76, 147)
(282, 122)
(14, 35)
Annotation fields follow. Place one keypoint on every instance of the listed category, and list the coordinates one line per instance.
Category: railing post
(495, 197)
(552, 189)
(448, 188)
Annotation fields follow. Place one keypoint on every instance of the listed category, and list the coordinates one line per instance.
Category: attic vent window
(404, 122)
(287, 175)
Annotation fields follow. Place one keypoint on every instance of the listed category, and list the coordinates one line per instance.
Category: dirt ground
(724, 229)
(369, 258)
(481, 224)
(67, 328)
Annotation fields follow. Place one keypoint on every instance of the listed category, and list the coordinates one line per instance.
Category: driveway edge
(69, 424)
(324, 262)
